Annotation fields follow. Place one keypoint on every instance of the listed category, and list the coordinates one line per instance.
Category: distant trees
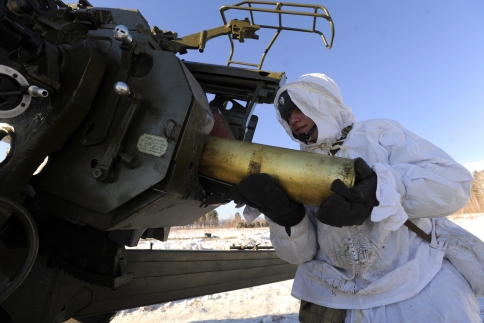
(478, 184)
(209, 219)
(212, 218)
(476, 202)
(201, 221)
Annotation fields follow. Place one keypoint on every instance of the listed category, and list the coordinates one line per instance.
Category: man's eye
(294, 111)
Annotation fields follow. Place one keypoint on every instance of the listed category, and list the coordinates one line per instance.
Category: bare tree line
(207, 220)
(211, 219)
(476, 202)
(475, 205)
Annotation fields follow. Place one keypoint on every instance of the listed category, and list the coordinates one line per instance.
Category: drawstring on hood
(319, 98)
(331, 149)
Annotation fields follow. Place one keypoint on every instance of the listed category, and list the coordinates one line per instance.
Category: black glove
(259, 191)
(350, 206)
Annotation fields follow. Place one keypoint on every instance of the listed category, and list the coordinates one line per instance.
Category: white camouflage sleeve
(416, 179)
(300, 246)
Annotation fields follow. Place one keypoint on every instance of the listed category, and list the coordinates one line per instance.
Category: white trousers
(447, 298)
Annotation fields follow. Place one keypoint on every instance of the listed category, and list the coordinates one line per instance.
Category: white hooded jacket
(381, 262)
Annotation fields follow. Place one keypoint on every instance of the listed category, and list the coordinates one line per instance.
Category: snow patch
(266, 303)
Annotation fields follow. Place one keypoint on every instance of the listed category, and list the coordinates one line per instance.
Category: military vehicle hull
(107, 128)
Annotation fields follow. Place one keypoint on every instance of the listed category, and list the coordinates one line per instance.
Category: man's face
(299, 123)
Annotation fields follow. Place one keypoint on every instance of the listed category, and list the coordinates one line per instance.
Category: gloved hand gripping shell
(261, 192)
(350, 206)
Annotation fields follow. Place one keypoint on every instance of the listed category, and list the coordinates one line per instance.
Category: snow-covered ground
(266, 303)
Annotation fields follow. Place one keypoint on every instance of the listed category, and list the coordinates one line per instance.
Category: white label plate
(152, 145)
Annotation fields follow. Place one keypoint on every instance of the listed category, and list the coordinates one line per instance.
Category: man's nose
(294, 118)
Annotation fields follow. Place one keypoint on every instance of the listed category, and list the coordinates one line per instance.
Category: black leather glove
(261, 192)
(350, 206)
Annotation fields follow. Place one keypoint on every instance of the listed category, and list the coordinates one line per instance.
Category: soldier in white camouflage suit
(357, 260)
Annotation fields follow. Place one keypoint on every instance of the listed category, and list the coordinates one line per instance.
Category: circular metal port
(14, 100)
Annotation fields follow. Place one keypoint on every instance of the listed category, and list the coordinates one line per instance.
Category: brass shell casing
(305, 177)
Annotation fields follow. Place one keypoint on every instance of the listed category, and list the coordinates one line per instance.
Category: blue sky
(418, 62)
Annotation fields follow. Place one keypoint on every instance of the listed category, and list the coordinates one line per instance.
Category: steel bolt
(37, 92)
(98, 173)
(122, 89)
(121, 33)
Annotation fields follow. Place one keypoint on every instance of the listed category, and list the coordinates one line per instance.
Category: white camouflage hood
(319, 98)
